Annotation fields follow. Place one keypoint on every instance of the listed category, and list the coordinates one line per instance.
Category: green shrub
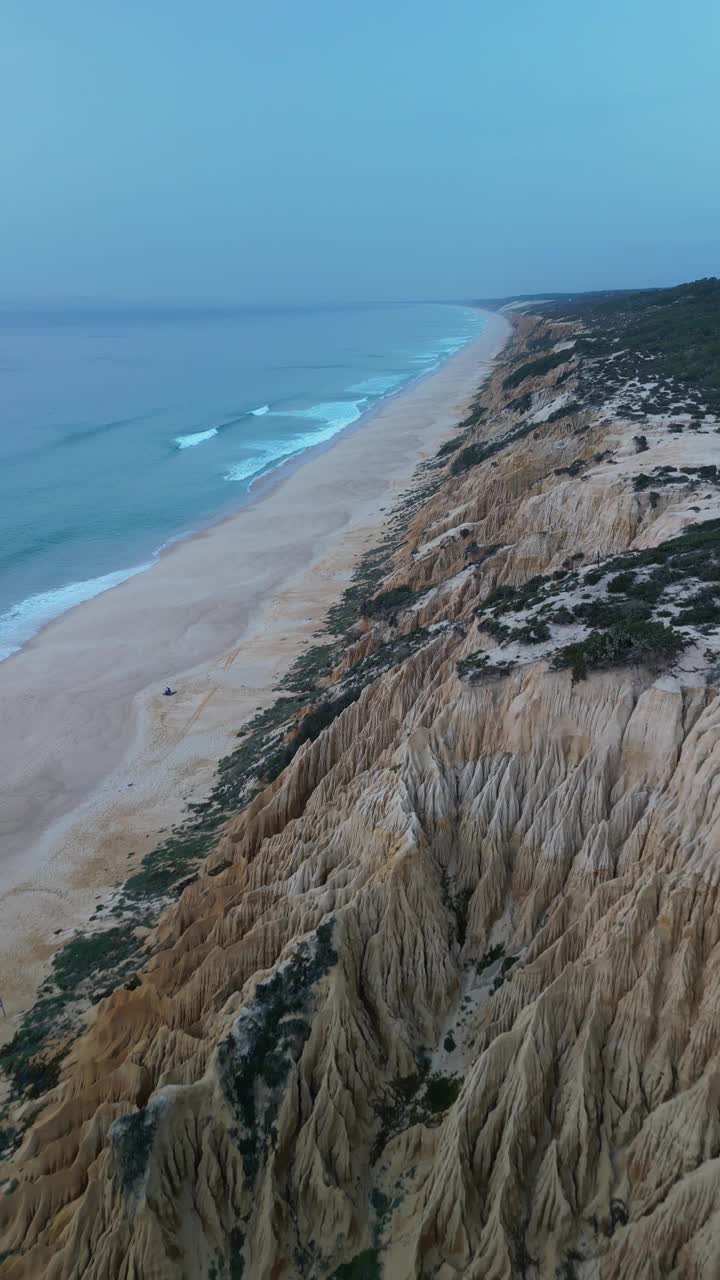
(621, 583)
(364, 1266)
(322, 715)
(562, 616)
(451, 445)
(491, 955)
(606, 613)
(379, 1202)
(388, 601)
(441, 1092)
(533, 632)
(306, 670)
(474, 454)
(132, 1138)
(471, 456)
(90, 954)
(8, 1140)
(622, 643)
(536, 368)
(701, 609)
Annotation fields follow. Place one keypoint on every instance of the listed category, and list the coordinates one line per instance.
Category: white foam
(261, 411)
(189, 442)
(444, 348)
(453, 344)
(380, 384)
(334, 415)
(24, 620)
(263, 460)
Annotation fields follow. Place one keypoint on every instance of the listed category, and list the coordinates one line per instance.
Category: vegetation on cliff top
(678, 327)
(649, 605)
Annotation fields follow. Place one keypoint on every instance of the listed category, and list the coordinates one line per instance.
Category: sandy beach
(94, 762)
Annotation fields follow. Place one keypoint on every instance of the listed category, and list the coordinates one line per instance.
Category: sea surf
(123, 428)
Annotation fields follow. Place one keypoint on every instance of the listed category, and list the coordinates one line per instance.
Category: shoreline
(258, 485)
(97, 765)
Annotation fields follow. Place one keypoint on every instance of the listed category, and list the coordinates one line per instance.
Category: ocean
(122, 430)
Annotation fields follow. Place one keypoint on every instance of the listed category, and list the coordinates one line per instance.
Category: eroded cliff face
(445, 1000)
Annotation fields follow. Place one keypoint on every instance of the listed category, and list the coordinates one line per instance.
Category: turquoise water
(121, 430)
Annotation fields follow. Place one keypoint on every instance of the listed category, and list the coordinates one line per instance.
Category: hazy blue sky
(320, 149)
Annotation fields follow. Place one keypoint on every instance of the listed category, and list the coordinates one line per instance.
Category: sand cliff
(444, 999)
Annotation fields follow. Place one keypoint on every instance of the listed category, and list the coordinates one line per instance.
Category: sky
(283, 151)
